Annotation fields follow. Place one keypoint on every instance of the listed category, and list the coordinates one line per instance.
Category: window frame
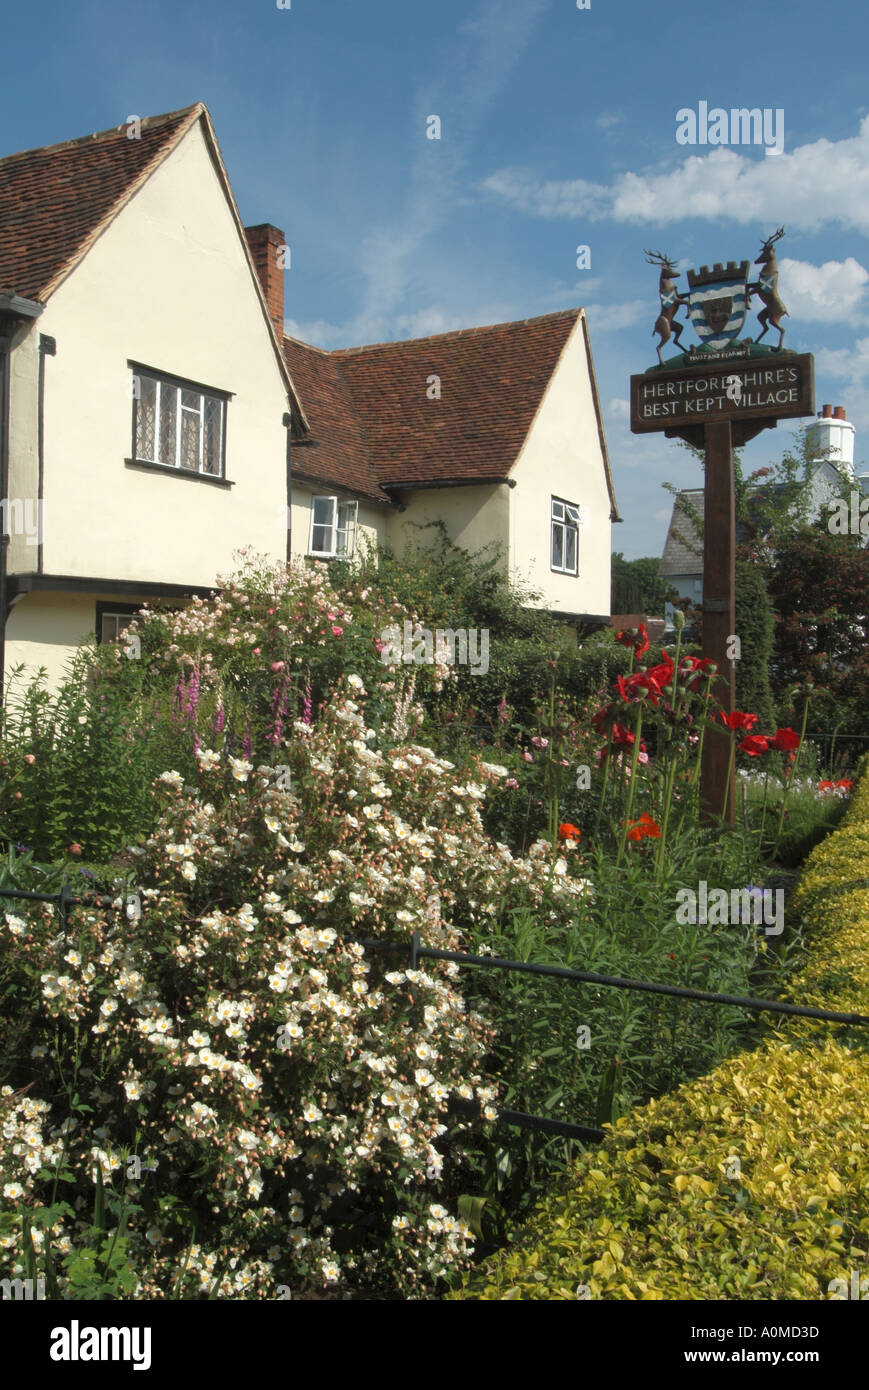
(113, 610)
(179, 385)
(566, 523)
(335, 528)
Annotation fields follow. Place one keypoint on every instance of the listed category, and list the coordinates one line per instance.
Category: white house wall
(370, 522)
(45, 630)
(562, 458)
(23, 460)
(167, 285)
(474, 517)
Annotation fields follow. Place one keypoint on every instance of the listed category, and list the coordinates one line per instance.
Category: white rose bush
(226, 1094)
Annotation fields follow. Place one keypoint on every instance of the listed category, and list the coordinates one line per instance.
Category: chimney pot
(839, 413)
(828, 412)
(264, 243)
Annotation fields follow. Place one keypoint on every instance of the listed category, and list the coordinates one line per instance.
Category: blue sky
(558, 130)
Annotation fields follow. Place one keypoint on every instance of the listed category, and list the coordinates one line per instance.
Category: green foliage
(738, 1186)
(819, 587)
(637, 587)
(754, 627)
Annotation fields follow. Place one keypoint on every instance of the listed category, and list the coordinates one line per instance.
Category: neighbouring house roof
(679, 558)
(375, 429)
(683, 548)
(336, 453)
(56, 201)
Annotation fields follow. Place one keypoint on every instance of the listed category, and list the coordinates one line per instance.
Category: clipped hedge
(751, 1183)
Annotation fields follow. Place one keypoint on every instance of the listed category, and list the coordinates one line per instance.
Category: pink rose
(511, 783)
(337, 632)
(278, 665)
(75, 849)
(529, 757)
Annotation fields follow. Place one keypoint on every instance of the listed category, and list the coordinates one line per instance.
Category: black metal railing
(543, 1123)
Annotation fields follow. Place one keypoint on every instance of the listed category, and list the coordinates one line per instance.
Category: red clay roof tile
(375, 427)
(54, 199)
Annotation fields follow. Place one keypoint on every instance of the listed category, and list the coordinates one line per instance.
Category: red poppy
(785, 740)
(644, 828)
(652, 681)
(641, 646)
(695, 668)
(566, 831)
(738, 720)
(754, 744)
(602, 717)
(622, 735)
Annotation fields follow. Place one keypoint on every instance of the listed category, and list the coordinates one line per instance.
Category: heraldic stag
(671, 300)
(766, 288)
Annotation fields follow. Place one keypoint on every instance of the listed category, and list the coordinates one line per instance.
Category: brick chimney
(265, 242)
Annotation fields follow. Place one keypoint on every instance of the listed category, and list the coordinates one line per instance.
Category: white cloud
(318, 332)
(604, 318)
(619, 408)
(608, 120)
(824, 182)
(828, 293)
(467, 76)
(550, 198)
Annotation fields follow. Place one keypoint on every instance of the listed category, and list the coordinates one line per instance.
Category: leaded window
(181, 426)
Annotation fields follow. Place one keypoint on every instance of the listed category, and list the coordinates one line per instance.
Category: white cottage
(154, 418)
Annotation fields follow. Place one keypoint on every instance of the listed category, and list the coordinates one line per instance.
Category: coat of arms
(718, 303)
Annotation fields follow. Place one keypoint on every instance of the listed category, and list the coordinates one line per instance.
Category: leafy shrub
(662, 1211)
(290, 1089)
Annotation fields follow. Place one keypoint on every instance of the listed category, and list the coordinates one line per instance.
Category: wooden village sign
(716, 396)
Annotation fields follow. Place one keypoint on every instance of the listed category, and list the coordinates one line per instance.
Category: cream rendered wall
(370, 521)
(562, 457)
(167, 285)
(23, 461)
(44, 629)
(475, 517)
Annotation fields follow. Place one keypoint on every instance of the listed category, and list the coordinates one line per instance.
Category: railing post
(65, 897)
(414, 950)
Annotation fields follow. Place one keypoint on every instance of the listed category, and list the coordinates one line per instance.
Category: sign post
(717, 397)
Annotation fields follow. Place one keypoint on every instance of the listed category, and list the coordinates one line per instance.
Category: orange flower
(566, 831)
(644, 828)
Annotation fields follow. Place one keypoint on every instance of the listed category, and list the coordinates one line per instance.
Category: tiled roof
(54, 201)
(683, 553)
(679, 557)
(336, 453)
(374, 428)
(491, 384)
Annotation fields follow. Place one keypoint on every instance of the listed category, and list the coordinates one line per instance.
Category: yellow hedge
(751, 1183)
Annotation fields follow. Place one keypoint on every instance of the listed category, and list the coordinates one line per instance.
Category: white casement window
(179, 425)
(112, 625)
(565, 537)
(333, 527)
